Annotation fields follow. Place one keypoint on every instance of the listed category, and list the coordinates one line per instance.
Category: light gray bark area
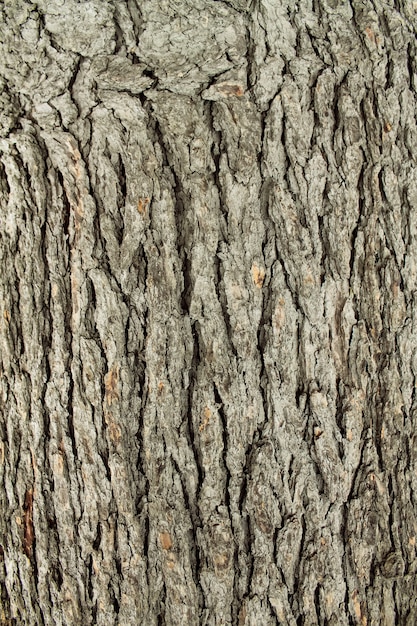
(208, 324)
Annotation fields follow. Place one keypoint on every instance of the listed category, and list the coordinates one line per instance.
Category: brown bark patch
(166, 541)
(357, 607)
(115, 432)
(318, 433)
(171, 561)
(258, 275)
(228, 90)
(111, 381)
(206, 420)
(143, 205)
(370, 33)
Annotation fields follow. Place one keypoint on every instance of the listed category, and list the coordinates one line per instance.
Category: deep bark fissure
(207, 326)
(193, 374)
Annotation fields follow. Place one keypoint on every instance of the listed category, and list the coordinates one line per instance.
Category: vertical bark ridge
(207, 328)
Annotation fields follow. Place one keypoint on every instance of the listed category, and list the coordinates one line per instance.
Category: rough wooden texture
(208, 326)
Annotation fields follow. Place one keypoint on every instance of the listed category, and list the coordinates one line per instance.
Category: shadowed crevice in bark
(207, 329)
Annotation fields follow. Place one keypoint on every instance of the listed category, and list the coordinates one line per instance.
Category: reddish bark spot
(111, 380)
(142, 205)
(370, 33)
(166, 541)
(230, 89)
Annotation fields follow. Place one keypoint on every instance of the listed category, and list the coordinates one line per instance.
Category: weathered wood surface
(208, 326)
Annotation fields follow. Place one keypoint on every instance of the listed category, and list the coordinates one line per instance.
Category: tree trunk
(208, 329)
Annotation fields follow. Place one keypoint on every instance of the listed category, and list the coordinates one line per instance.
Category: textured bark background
(208, 330)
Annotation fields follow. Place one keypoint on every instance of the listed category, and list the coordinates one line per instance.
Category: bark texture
(208, 326)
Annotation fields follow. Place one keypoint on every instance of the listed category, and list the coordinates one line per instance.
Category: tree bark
(208, 330)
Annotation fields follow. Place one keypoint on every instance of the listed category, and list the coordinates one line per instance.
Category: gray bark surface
(208, 334)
